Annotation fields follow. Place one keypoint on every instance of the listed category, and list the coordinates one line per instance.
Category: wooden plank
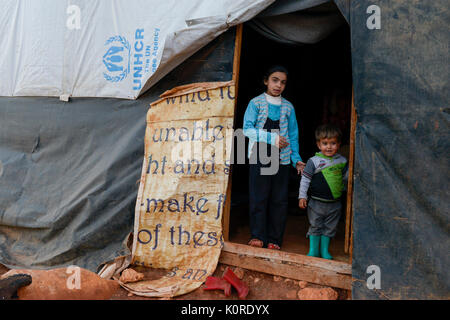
(237, 55)
(355, 119)
(292, 271)
(281, 256)
(226, 211)
(351, 241)
(236, 65)
(349, 207)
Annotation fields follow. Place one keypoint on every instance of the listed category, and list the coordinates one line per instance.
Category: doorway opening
(320, 88)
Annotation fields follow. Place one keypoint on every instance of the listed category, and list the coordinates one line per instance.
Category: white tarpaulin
(106, 48)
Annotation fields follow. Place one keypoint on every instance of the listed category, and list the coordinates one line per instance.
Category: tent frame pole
(236, 65)
(348, 246)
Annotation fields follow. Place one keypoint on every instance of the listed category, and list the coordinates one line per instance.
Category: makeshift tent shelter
(68, 170)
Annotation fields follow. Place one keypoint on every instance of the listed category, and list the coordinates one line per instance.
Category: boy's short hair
(328, 131)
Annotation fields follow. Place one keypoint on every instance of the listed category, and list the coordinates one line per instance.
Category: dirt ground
(262, 287)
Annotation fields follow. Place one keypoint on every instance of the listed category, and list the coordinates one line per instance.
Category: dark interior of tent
(320, 88)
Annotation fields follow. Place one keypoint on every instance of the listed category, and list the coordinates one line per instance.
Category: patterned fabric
(285, 111)
(324, 177)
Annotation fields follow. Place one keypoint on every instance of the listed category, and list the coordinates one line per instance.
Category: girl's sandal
(273, 246)
(256, 243)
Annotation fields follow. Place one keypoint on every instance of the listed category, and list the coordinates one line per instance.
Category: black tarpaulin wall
(400, 199)
(69, 170)
(298, 22)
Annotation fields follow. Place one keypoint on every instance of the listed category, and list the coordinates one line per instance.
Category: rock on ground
(64, 284)
(302, 284)
(317, 294)
(130, 275)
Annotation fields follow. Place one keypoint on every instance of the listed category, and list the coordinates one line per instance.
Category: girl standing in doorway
(271, 126)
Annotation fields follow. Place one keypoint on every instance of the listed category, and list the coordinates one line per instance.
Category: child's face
(276, 83)
(328, 146)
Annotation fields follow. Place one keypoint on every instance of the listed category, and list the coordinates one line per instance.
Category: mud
(262, 287)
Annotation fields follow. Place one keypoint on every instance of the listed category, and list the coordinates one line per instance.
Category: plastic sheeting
(401, 208)
(298, 22)
(115, 48)
(69, 171)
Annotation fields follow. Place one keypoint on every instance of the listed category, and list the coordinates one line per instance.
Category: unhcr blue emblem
(117, 59)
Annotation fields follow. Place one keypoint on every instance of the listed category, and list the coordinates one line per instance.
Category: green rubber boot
(314, 242)
(324, 243)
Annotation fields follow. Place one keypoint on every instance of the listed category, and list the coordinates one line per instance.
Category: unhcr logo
(117, 59)
(136, 59)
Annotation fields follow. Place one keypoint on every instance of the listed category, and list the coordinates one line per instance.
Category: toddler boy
(323, 180)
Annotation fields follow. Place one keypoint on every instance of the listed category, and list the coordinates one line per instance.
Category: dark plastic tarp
(298, 22)
(401, 194)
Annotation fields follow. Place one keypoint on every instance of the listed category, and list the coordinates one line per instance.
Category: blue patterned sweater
(258, 110)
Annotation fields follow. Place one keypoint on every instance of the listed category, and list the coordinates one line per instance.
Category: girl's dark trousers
(268, 196)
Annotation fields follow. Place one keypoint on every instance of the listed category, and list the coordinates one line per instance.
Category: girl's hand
(300, 166)
(281, 142)
(302, 203)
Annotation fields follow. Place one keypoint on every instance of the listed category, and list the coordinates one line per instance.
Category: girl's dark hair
(275, 68)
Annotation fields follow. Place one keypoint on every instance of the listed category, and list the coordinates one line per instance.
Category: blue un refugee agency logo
(117, 59)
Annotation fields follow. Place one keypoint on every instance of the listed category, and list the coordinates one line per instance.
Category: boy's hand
(302, 203)
(300, 166)
(281, 142)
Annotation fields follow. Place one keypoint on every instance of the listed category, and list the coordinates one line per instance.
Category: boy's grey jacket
(324, 177)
